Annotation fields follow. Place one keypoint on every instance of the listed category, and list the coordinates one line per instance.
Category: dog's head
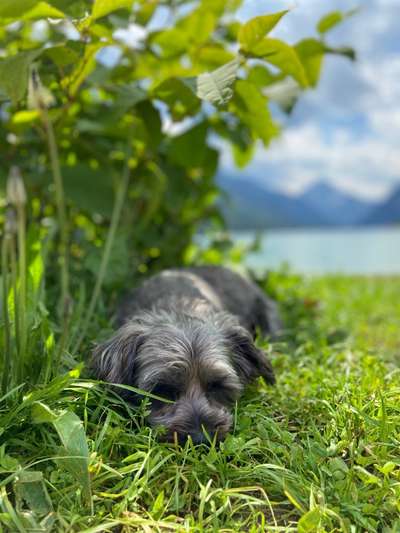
(199, 364)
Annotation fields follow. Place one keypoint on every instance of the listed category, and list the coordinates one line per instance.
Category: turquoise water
(366, 250)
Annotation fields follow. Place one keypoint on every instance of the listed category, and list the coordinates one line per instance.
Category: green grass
(317, 452)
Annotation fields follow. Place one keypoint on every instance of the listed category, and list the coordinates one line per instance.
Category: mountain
(247, 205)
(338, 207)
(388, 212)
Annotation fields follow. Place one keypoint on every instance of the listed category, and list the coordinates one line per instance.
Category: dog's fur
(187, 335)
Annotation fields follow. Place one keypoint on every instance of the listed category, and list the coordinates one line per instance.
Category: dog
(187, 335)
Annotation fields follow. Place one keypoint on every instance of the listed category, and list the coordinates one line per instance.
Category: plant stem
(17, 369)
(7, 329)
(62, 218)
(22, 286)
(65, 301)
(115, 218)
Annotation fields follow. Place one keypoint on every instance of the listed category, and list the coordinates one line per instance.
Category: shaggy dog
(187, 335)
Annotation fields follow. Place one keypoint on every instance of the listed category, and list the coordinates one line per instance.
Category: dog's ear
(249, 361)
(114, 359)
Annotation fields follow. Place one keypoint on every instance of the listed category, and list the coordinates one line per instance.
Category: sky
(347, 131)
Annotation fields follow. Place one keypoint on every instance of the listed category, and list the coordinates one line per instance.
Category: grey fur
(187, 335)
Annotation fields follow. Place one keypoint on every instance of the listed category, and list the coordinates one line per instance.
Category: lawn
(317, 452)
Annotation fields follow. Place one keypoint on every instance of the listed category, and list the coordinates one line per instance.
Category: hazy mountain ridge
(387, 212)
(249, 205)
(340, 208)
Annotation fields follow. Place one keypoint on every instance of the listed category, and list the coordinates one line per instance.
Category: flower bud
(16, 194)
(39, 97)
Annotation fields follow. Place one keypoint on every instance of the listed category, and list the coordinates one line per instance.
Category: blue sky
(347, 131)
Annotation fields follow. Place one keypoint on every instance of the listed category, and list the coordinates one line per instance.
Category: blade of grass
(7, 508)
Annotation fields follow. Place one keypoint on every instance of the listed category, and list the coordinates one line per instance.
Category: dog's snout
(198, 437)
(203, 424)
(193, 416)
(207, 421)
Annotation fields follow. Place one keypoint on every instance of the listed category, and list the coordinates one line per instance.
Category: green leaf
(43, 10)
(97, 195)
(41, 413)
(253, 31)
(345, 51)
(211, 56)
(30, 488)
(173, 42)
(15, 8)
(14, 72)
(74, 449)
(310, 521)
(144, 12)
(282, 56)
(74, 8)
(387, 468)
(216, 86)
(178, 96)
(8, 463)
(332, 19)
(218, 7)
(64, 54)
(181, 147)
(158, 506)
(27, 10)
(261, 76)
(198, 25)
(118, 263)
(25, 117)
(242, 157)
(101, 8)
(251, 106)
(72, 435)
(152, 122)
(311, 54)
(83, 69)
(240, 138)
(126, 97)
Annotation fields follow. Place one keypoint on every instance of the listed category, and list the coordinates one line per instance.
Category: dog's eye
(221, 391)
(166, 391)
(216, 386)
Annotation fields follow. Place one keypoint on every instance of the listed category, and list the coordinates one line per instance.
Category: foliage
(106, 111)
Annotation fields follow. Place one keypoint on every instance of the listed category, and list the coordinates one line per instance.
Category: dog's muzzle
(197, 418)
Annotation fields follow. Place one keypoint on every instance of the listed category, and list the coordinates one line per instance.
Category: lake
(365, 250)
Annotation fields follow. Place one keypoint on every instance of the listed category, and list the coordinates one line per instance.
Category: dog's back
(220, 287)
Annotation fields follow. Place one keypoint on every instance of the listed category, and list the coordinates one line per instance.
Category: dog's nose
(198, 437)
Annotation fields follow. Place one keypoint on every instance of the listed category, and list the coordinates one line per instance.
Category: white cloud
(302, 156)
(133, 36)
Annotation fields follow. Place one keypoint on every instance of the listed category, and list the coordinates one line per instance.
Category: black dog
(187, 336)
